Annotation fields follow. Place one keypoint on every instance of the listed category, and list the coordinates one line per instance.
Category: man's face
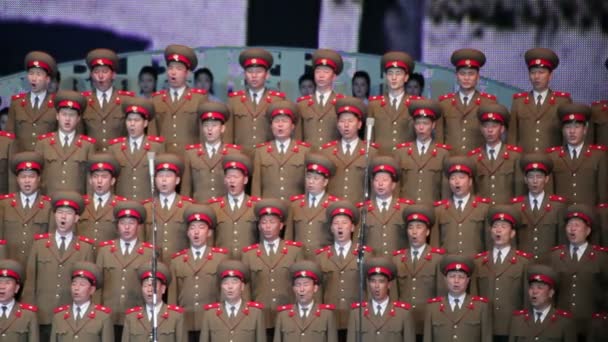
(342, 228)
(307, 87)
(379, 286)
(492, 131)
(467, 78)
(424, 128)
(232, 288)
(39, 80)
(457, 282)
(540, 295)
(348, 126)
(460, 183)
(270, 227)
(147, 290)
(282, 127)
(315, 183)
(198, 233)
(65, 218)
(177, 74)
(574, 132)
(212, 131)
(8, 289)
(82, 290)
(136, 125)
(577, 231)
(383, 184)
(127, 228)
(101, 182)
(540, 78)
(304, 290)
(166, 181)
(28, 182)
(417, 233)
(502, 233)
(255, 77)
(235, 181)
(396, 78)
(324, 77)
(102, 77)
(536, 181)
(67, 119)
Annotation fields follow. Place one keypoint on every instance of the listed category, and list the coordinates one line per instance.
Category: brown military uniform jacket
(499, 179)
(416, 282)
(65, 168)
(95, 324)
(461, 232)
(598, 329)
(122, 287)
(600, 235)
(3, 252)
(28, 123)
(270, 277)
(203, 176)
(195, 283)
(247, 326)
(99, 224)
(504, 284)
(134, 179)
(347, 182)
(21, 325)
(8, 147)
(309, 225)
(536, 129)
(422, 175)
(599, 117)
(178, 122)
(171, 230)
(277, 175)
(48, 272)
(107, 122)
(385, 230)
(542, 229)
(170, 320)
(319, 325)
(20, 225)
(584, 179)
(557, 326)
(396, 324)
(459, 126)
(392, 125)
(318, 124)
(235, 229)
(471, 323)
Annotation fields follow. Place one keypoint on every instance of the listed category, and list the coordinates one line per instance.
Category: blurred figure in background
(148, 76)
(361, 84)
(306, 84)
(415, 84)
(203, 79)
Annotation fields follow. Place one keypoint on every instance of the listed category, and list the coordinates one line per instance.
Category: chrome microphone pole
(154, 336)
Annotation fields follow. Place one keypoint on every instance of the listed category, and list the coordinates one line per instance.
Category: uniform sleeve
(602, 178)
(332, 331)
(53, 334)
(228, 136)
(30, 284)
(428, 325)
(205, 332)
(186, 179)
(439, 130)
(181, 335)
(519, 186)
(570, 331)
(126, 334)
(512, 131)
(278, 337)
(486, 323)
(289, 233)
(172, 290)
(10, 122)
(33, 329)
(435, 233)
(260, 330)
(107, 330)
(409, 332)
(12, 179)
(351, 332)
(256, 178)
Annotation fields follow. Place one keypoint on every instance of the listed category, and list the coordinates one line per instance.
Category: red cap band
(39, 64)
(213, 116)
(539, 62)
(159, 276)
(102, 167)
(102, 61)
(67, 203)
(28, 165)
(424, 112)
(380, 270)
(350, 109)
(503, 217)
(85, 274)
(129, 213)
(579, 215)
(385, 168)
(326, 62)
(282, 111)
(493, 117)
(233, 273)
(418, 217)
(460, 168)
(342, 211)
(306, 274)
(574, 117)
(138, 110)
(396, 64)
(200, 217)
(179, 58)
(256, 61)
(457, 266)
(318, 168)
(468, 63)
(167, 166)
(542, 278)
(270, 211)
(5, 272)
(236, 165)
(536, 166)
(69, 104)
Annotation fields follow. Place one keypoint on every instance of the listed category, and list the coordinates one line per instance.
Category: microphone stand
(154, 251)
(360, 255)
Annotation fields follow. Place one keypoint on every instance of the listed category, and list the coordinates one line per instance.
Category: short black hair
(148, 69)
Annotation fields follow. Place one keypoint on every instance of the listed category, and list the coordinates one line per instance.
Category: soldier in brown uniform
(119, 259)
(33, 113)
(534, 125)
(97, 219)
(18, 320)
(542, 215)
(501, 272)
(582, 268)
(305, 321)
(543, 322)
(27, 212)
(278, 165)
(51, 259)
(318, 111)
(348, 153)
(203, 174)
(384, 227)
(269, 260)
(236, 224)
(169, 318)
(458, 315)
(66, 152)
(392, 112)
(580, 170)
(247, 125)
(103, 118)
(460, 225)
(498, 175)
(233, 319)
(421, 160)
(418, 274)
(177, 107)
(382, 319)
(459, 126)
(131, 151)
(599, 117)
(166, 209)
(82, 320)
(8, 148)
(194, 269)
(306, 222)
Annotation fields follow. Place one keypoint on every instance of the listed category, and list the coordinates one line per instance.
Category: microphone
(369, 127)
(151, 156)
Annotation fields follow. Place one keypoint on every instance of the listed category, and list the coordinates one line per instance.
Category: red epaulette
(519, 312)
(236, 93)
(303, 98)
(236, 147)
(182, 252)
(103, 308)
(117, 140)
(160, 92)
(416, 97)
(361, 204)
(327, 307)
(602, 205)
(518, 199)
(220, 250)
(18, 96)
(155, 138)
(42, 236)
(367, 249)
(120, 198)
(446, 96)
(175, 308)
(556, 198)
(434, 300)
(284, 307)
(89, 139)
(251, 247)
(46, 198)
(599, 102)
(524, 254)
(374, 144)
(375, 98)
(406, 201)
(563, 313)
(600, 315)
(598, 147)
(7, 134)
(438, 250)
(444, 146)
(276, 93)
(322, 250)
(61, 308)
(214, 200)
(293, 243)
(133, 309)
(147, 245)
(474, 152)
(488, 96)
(357, 305)
(600, 248)
(560, 94)
(558, 247)
(332, 198)
(441, 202)
(187, 199)
(520, 95)
(553, 149)
(297, 197)
(482, 254)
(87, 240)
(28, 307)
(403, 144)
(255, 198)
(212, 306)
(303, 143)
(86, 93)
(198, 91)
(2, 242)
(126, 93)
(329, 144)
(402, 305)
(399, 252)
(6, 196)
(479, 299)
(262, 144)
(514, 148)
(106, 243)
(46, 135)
(483, 199)
(256, 305)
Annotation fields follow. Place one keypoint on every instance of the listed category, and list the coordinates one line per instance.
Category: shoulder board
(416, 97)
(236, 93)
(322, 250)
(518, 199)
(303, 143)
(357, 305)
(147, 244)
(515, 148)
(198, 91)
(361, 204)
(89, 139)
(602, 206)
(304, 98)
(330, 144)
(256, 305)
(520, 95)
(42, 236)
(134, 309)
(600, 315)
(120, 198)
(483, 199)
(46, 135)
(563, 313)
(219, 250)
(598, 147)
(519, 312)
(117, 140)
(402, 305)
(479, 299)
(297, 197)
(106, 243)
(400, 251)
(212, 306)
(182, 252)
(375, 145)
(475, 151)
(437, 250)
(46, 198)
(87, 240)
(86, 93)
(160, 92)
(403, 144)
(28, 307)
(255, 198)
(368, 249)
(187, 199)
(5, 196)
(262, 144)
(434, 300)
(175, 308)
(559, 247)
(556, 198)
(333, 198)
(600, 248)
(103, 308)
(488, 96)
(18, 96)
(155, 138)
(276, 93)
(293, 243)
(214, 200)
(561, 94)
(236, 147)
(599, 102)
(406, 201)
(61, 308)
(441, 202)
(446, 96)
(126, 93)
(553, 149)
(482, 254)
(284, 307)
(251, 247)
(2, 242)
(444, 146)
(327, 307)
(524, 254)
(7, 134)
(376, 98)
